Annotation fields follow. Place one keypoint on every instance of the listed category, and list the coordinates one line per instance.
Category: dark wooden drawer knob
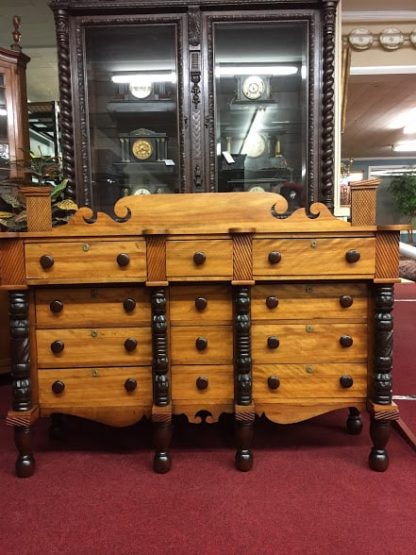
(58, 387)
(201, 383)
(346, 340)
(57, 346)
(201, 343)
(123, 260)
(273, 342)
(130, 384)
(352, 256)
(272, 302)
(199, 258)
(275, 257)
(130, 344)
(46, 261)
(129, 304)
(56, 306)
(346, 301)
(346, 381)
(273, 382)
(201, 303)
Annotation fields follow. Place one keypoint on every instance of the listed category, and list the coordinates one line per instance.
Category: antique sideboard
(202, 305)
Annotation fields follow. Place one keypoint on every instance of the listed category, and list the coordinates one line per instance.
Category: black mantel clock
(143, 145)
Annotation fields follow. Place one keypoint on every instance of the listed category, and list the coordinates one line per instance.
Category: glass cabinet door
(132, 77)
(261, 107)
(4, 136)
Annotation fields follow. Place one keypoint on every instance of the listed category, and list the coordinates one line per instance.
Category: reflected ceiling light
(401, 120)
(230, 71)
(405, 146)
(410, 129)
(144, 77)
(3, 112)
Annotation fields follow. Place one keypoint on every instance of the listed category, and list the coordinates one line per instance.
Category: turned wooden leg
(354, 421)
(380, 433)
(25, 462)
(244, 432)
(162, 433)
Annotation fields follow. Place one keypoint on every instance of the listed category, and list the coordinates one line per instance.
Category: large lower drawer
(309, 301)
(276, 382)
(313, 257)
(202, 345)
(209, 383)
(85, 261)
(194, 304)
(65, 348)
(97, 387)
(305, 343)
(80, 307)
(192, 260)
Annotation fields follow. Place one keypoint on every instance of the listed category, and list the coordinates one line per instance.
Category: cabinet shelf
(133, 106)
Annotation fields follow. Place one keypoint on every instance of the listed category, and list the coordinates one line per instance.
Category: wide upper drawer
(87, 306)
(191, 260)
(313, 257)
(286, 301)
(85, 261)
(200, 303)
(63, 348)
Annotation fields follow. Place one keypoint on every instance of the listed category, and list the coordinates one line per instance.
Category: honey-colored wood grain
(219, 259)
(22, 418)
(243, 256)
(298, 345)
(387, 255)
(156, 258)
(309, 300)
(117, 417)
(83, 348)
(218, 351)
(363, 202)
(219, 306)
(220, 384)
(313, 257)
(308, 381)
(12, 263)
(302, 409)
(86, 261)
(100, 307)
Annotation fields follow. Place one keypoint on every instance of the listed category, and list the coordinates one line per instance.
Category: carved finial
(16, 34)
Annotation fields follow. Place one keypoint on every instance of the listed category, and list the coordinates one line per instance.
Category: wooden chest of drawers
(236, 309)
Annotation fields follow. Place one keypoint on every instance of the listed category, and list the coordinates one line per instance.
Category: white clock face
(360, 38)
(255, 146)
(391, 38)
(253, 87)
(141, 90)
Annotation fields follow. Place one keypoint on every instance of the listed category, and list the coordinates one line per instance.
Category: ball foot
(161, 463)
(25, 466)
(244, 460)
(354, 425)
(378, 460)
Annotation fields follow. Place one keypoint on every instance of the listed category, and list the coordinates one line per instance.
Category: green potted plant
(35, 202)
(403, 189)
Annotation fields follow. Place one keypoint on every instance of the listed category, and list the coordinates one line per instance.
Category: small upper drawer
(200, 303)
(101, 306)
(313, 257)
(192, 260)
(309, 300)
(85, 261)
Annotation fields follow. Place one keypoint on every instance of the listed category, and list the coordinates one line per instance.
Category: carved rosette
(242, 356)
(67, 139)
(20, 354)
(328, 105)
(160, 362)
(382, 393)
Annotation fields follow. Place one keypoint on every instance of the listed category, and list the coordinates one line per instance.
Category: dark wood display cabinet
(182, 96)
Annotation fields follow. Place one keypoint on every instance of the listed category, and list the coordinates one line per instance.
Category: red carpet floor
(310, 491)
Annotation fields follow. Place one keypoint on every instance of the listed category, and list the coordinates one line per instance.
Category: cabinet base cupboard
(202, 305)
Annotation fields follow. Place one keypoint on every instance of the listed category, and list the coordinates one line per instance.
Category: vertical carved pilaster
(383, 346)
(242, 353)
(67, 139)
(160, 363)
(194, 32)
(328, 104)
(20, 355)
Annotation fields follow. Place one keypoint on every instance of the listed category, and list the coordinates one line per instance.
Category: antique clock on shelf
(253, 87)
(143, 145)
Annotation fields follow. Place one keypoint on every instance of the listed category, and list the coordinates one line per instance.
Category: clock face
(142, 90)
(253, 87)
(142, 149)
(360, 38)
(391, 38)
(142, 191)
(255, 146)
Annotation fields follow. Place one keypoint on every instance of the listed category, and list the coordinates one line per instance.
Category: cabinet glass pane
(132, 104)
(261, 107)
(4, 138)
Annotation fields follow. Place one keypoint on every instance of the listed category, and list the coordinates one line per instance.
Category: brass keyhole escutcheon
(86, 247)
(309, 370)
(314, 244)
(95, 373)
(94, 333)
(309, 328)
